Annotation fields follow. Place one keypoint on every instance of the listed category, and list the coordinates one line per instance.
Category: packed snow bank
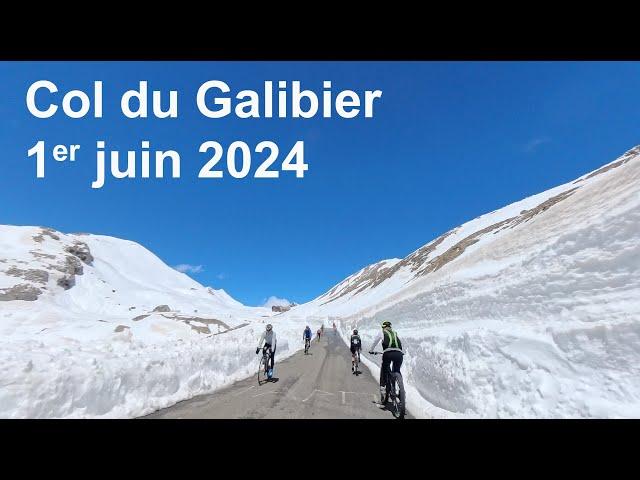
(95, 326)
(121, 377)
(530, 311)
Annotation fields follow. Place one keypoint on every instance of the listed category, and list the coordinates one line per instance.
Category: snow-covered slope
(532, 310)
(98, 326)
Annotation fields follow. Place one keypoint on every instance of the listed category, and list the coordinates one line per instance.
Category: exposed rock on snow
(66, 282)
(80, 250)
(33, 275)
(22, 291)
(45, 232)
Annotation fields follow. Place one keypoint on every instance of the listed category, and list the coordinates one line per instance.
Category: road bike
(394, 391)
(307, 344)
(263, 368)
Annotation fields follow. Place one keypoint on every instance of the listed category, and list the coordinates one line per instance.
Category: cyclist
(306, 336)
(319, 333)
(356, 346)
(392, 348)
(334, 327)
(269, 339)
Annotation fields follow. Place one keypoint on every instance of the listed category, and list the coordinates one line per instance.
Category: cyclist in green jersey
(392, 356)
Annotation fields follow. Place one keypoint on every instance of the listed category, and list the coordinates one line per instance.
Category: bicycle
(395, 390)
(263, 368)
(307, 344)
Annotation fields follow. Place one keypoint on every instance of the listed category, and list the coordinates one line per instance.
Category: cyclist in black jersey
(356, 346)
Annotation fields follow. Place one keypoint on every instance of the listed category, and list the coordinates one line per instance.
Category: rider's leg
(265, 349)
(273, 354)
(386, 360)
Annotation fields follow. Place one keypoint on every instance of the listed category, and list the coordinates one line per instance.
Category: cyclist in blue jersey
(306, 337)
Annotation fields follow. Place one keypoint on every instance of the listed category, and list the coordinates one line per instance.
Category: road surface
(315, 386)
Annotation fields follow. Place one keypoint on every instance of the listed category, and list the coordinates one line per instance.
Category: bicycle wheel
(262, 371)
(397, 395)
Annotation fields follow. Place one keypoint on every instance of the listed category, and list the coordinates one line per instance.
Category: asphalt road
(315, 386)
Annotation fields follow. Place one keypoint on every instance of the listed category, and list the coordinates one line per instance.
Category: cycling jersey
(269, 338)
(390, 341)
(356, 343)
(307, 333)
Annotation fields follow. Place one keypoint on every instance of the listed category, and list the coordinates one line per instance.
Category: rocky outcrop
(46, 232)
(162, 308)
(22, 291)
(71, 266)
(280, 308)
(80, 250)
(31, 274)
(66, 282)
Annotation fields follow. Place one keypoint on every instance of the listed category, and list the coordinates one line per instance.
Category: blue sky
(448, 142)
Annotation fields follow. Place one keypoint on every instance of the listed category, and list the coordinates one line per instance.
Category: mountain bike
(394, 391)
(307, 344)
(263, 367)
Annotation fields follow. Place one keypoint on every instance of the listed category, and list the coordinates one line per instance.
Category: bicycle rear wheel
(397, 395)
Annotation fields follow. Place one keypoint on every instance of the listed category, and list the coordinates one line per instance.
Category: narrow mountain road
(319, 385)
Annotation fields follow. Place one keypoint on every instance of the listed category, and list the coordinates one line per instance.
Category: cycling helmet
(355, 332)
(269, 327)
(386, 324)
